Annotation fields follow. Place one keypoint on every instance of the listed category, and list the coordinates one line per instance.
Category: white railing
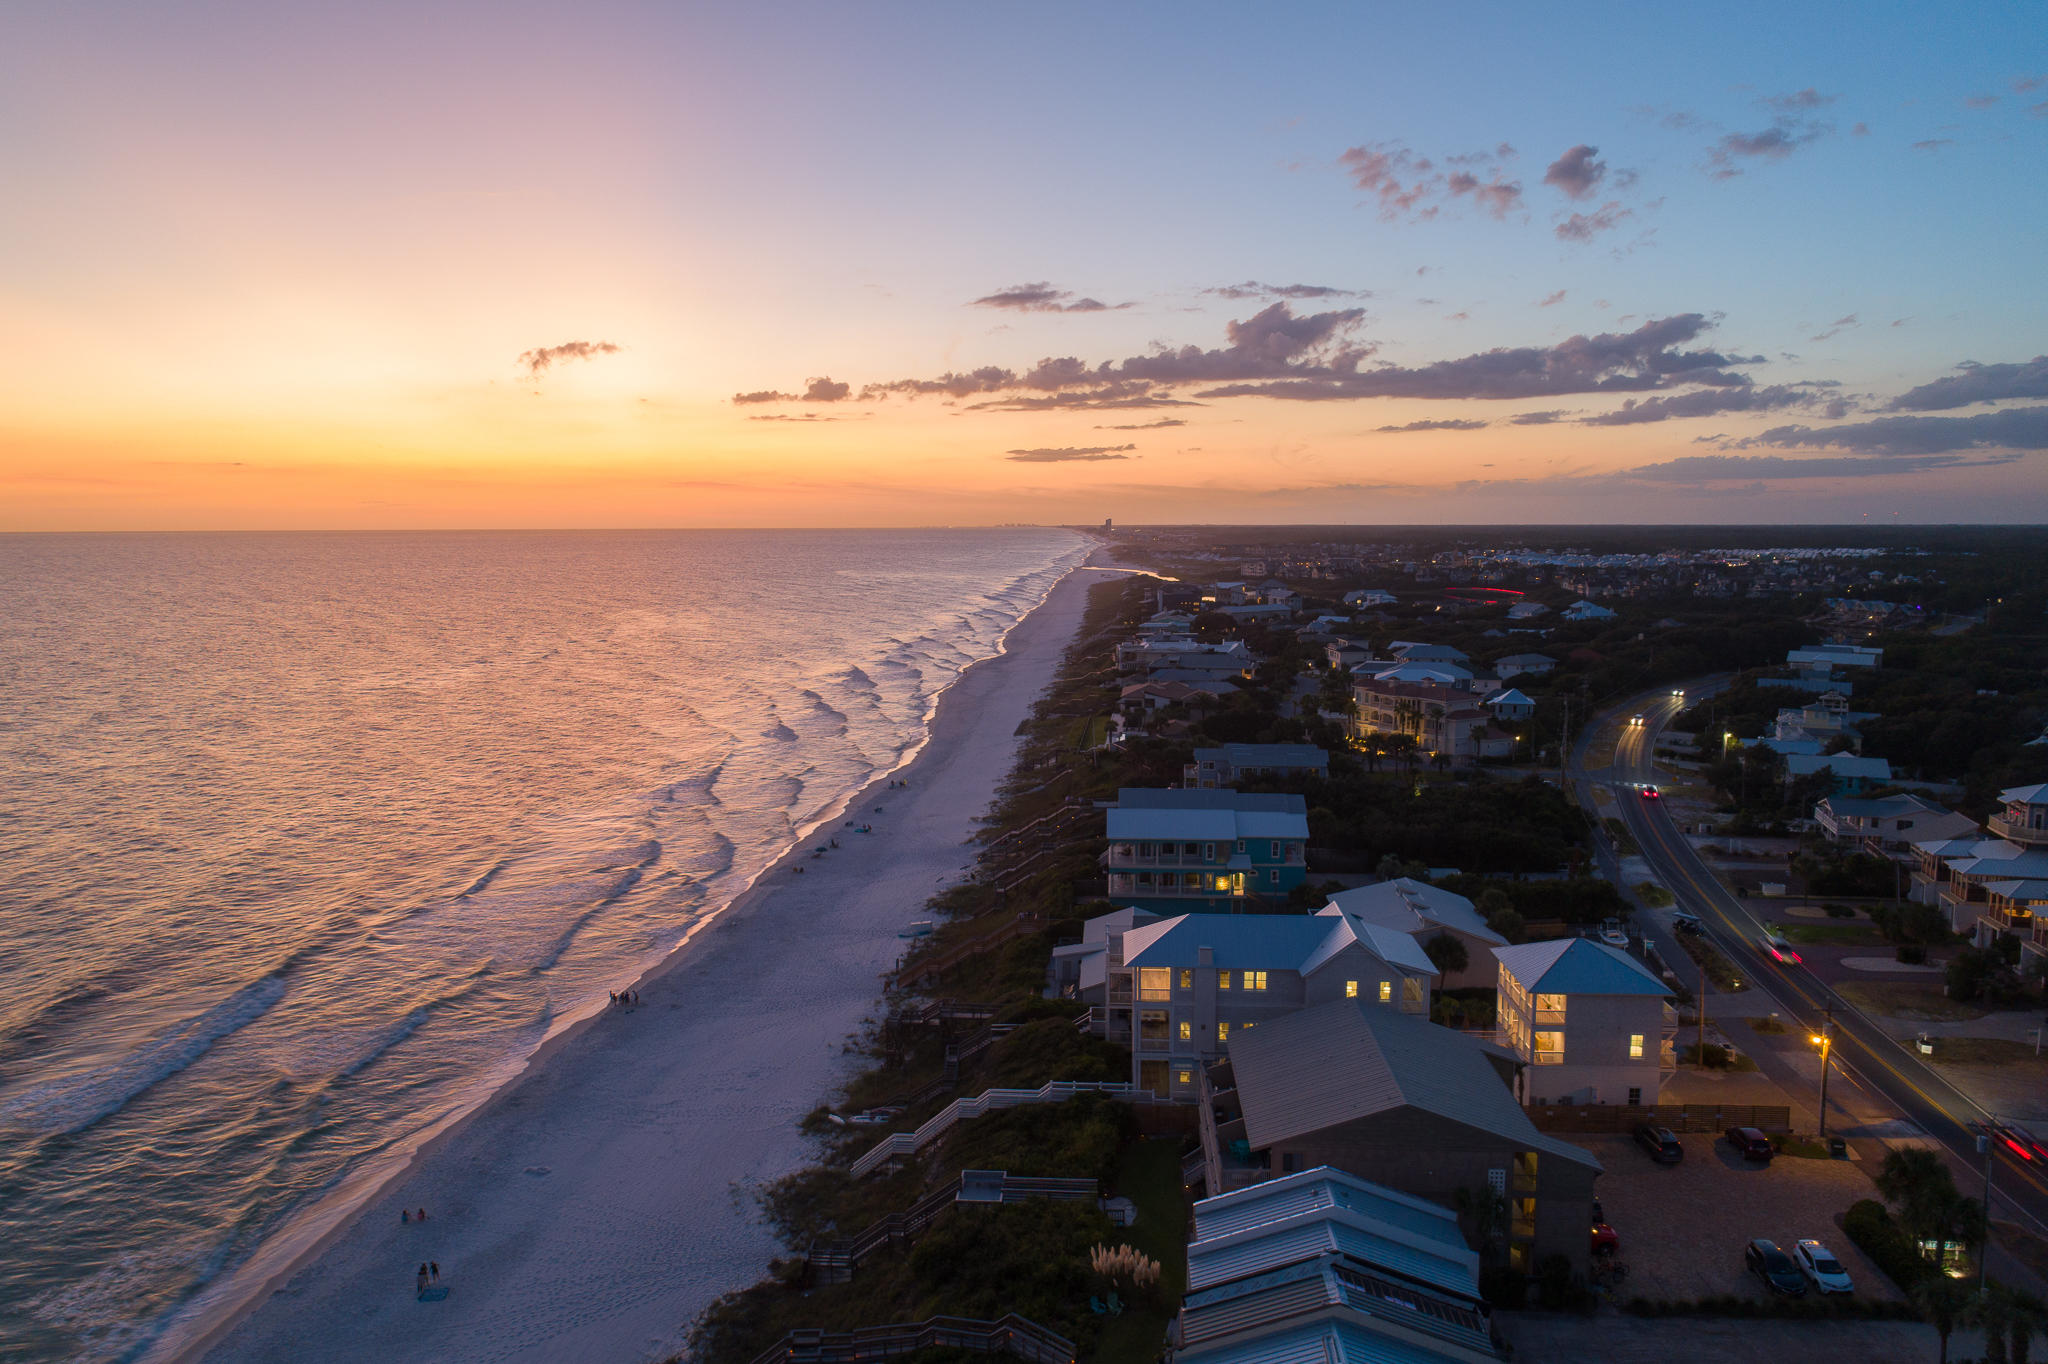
(899, 1144)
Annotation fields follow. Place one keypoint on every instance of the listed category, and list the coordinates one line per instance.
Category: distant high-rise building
(1107, 523)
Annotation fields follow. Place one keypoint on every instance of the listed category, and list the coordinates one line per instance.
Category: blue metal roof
(1579, 966)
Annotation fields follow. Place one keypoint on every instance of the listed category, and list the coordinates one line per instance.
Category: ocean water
(307, 840)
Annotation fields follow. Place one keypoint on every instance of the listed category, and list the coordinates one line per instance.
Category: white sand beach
(592, 1208)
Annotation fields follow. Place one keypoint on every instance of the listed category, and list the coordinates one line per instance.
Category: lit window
(1550, 1008)
(1350, 989)
(1411, 990)
(1549, 1048)
(1187, 1032)
(1223, 883)
(1187, 979)
(1255, 980)
(1187, 1077)
(1223, 980)
(1155, 982)
(1635, 1046)
(1222, 1032)
(1386, 991)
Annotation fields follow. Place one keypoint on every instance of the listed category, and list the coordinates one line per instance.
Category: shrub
(1838, 911)
(1912, 954)
(1870, 1226)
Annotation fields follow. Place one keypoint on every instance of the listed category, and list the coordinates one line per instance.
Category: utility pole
(1990, 1151)
(1701, 1054)
(1826, 1042)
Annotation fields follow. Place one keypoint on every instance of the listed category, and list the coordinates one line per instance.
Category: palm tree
(1990, 1311)
(1941, 1301)
(2009, 1317)
(2029, 1314)
(1447, 954)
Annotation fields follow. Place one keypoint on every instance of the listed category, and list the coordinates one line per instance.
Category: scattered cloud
(1460, 316)
(1146, 426)
(1799, 101)
(2027, 84)
(537, 362)
(1860, 130)
(1552, 300)
(1933, 144)
(1411, 186)
(1041, 297)
(2010, 429)
(815, 391)
(1576, 173)
(1583, 227)
(1785, 135)
(1070, 454)
(1840, 324)
(1539, 418)
(1705, 402)
(1975, 383)
(796, 417)
(1252, 288)
(1720, 468)
(1980, 102)
(1452, 424)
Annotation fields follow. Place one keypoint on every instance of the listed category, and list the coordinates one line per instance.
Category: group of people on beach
(621, 997)
(430, 1272)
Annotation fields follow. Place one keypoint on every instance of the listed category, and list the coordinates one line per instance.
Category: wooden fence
(1011, 1335)
(1677, 1117)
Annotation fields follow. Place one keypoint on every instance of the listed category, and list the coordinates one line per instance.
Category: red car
(1605, 1239)
(1651, 793)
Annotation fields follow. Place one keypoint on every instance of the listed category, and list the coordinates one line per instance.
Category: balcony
(2017, 831)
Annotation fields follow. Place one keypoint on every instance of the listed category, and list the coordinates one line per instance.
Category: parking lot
(1683, 1226)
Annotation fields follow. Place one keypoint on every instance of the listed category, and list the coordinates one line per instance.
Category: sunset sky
(378, 264)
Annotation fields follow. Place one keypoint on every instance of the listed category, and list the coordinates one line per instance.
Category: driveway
(1683, 1226)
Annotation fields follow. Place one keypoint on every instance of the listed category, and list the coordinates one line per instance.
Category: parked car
(1821, 1268)
(1751, 1142)
(1661, 1142)
(1763, 1259)
(1606, 1241)
(1685, 921)
(1779, 950)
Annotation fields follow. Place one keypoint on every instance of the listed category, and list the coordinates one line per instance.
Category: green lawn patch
(1986, 1051)
(1907, 999)
(1833, 935)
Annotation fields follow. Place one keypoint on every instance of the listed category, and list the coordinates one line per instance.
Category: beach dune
(593, 1207)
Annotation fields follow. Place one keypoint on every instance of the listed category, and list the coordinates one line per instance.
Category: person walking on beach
(422, 1278)
(423, 1214)
(404, 1216)
(434, 1268)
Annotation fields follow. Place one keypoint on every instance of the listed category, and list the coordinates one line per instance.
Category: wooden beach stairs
(835, 1261)
(1010, 1335)
(897, 1145)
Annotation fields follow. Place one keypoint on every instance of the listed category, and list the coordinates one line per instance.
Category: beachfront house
(1172, 851)
(1955, 874)
(1513, 705)
(1229, 763)
(2024, 818)
(1323, 1266)
(1441, 719)
(1425, 912)
(1369, 596)
(1525, 665)
(1152, 655)
(1181, 989)
(1585, 610)
(1429, 1111)
(1589, 1023)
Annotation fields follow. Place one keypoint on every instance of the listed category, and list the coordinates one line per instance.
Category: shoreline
(262, 1310)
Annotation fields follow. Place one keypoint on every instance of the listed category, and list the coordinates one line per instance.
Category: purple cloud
(1703, 403)
(1251, 288)
(1576, 173)
(1043, 298)
(1070, 454)
(537, 362)
(815, 391)
(1145, 426)
(1840, 324)
(1452, 424)
(1407, 185)
(1785, 136)
(1799, 101)
(1552, 300)
(1539, 418)
(1975, 383)
(1583, 227)
(2010, 429)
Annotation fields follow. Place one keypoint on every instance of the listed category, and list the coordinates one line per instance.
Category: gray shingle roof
(1340, 1062)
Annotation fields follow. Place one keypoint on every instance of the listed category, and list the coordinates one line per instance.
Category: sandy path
(589, 1211)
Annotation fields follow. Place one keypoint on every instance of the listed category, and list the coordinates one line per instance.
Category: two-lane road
(1874, 1059)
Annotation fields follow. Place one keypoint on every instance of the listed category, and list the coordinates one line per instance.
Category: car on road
(1613, 933)
(1821, 1268)
(1779, 950)
(1652, 793)
(2017, 1140)
(1685, 921)
(1635, 722)
(1763, 1259)
(1752, 1143)
(1678, 692)
(1661, 1142)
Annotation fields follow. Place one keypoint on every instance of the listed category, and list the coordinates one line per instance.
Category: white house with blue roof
(1590, 1023)
(1171, 851)
(1323, 1267)
(1226, 764)
(1179, 989)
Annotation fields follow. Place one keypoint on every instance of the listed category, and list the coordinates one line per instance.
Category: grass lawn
(1148, 1174)
(1986, 1051)
(1834, 935)
(1907, 999)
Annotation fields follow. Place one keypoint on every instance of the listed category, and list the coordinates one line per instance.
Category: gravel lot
(1683, 1226)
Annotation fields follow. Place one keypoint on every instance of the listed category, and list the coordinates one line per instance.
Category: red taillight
(2022, 1152)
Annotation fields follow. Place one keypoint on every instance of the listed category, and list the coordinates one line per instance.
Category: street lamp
(1825, 1040)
